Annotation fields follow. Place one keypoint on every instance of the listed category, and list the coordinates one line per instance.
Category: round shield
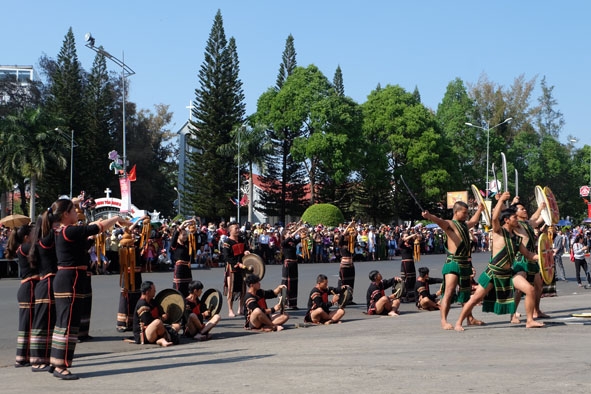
(541, 198)
(553, 205)
(212, 299)
(172, 303)
(479, 200)
(254, 263)
(546, 258)
(346, 297)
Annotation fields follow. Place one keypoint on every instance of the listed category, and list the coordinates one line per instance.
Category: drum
(254, 263)
(212, 299)
(345, 297)
(172, 304)
(553, 205)
(479, 200)
(546, 258)
(541, 198)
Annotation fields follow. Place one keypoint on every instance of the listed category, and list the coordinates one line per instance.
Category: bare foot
(446, 326)
(231, 314)
(475, 322)
(515, 319)
(163, 342)
(534, 324)
(541, 315)
(392, 313)
(279, 328)
(459, 327)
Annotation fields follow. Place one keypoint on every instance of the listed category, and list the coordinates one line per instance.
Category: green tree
(150, 150)
(219, 107)
(97, 138)
(404, 139)
(338, 83)
(65, 100)
(283, 183)
(28, 149)
(549, 120)
(467, 158)
(288, 62)
(251, 146)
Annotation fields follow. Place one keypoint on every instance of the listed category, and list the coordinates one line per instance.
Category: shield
(479, 200)
(172, 303)
(554, 212)
(16, 220)
(212, 299)
(346, 296)
(541, 198)
(254, 263)
(546, 258)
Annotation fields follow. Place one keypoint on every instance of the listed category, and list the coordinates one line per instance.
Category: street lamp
(178, 196)
(238, 192)
(72, 146)
(488, 129)
(126, 71)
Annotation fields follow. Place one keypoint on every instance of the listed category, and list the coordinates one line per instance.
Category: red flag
(244, 201)
(131, 175)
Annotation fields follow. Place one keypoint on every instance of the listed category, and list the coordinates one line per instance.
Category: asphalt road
(364, 354)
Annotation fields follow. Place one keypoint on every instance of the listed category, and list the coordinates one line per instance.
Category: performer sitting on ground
(377, 301)
(318, 306)
(195, 313)
(500, 274)
(257, 315)
(148, 325)
(425, 300)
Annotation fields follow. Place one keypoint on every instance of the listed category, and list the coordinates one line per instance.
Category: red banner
(125, 194)
(589, 209)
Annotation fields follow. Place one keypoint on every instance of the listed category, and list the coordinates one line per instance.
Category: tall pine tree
(283, 182)
(66, 101)
(218, 108)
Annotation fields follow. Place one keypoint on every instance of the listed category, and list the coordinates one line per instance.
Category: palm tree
(251, 145)
(28, 144)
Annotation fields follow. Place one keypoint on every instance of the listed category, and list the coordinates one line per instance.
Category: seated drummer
(378, 303)
(257, 315)
(318, 305)
(148, 325)
(194, 318)
(425, 300)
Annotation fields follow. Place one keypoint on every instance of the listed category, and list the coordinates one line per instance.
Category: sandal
(65, 375)
(41, 368)
(19, 364)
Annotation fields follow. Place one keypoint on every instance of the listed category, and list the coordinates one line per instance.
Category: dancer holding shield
(458, 264)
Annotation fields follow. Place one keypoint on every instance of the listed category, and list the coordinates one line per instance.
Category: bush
(325, 214)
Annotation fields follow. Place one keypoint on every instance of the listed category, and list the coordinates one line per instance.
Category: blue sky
(425, 44)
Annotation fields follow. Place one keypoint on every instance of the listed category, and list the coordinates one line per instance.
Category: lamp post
(72, 146)
(238, 192)
(126, 71)
(178, 196)
(488, 129)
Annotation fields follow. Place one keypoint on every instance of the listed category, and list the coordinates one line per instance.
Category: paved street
(364, 354)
